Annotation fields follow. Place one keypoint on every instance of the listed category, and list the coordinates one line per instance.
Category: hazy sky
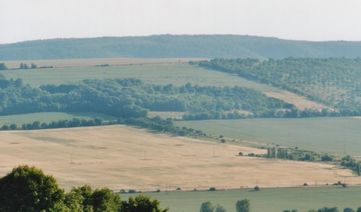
(292, 19)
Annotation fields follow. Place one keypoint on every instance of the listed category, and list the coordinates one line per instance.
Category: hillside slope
(208, 46)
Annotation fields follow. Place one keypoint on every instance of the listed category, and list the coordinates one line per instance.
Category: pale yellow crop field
(122, 157)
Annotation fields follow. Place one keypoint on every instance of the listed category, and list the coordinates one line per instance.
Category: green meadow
(178, 74)
(265, 200)
(336, 135)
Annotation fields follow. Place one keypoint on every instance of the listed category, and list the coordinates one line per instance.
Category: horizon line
(175, 34)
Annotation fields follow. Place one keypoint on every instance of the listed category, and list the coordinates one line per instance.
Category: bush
(206, 207)
(3, 67)
(243, 205)
(212, 189)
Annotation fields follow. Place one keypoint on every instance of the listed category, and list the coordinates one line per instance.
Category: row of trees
(26, 66)
(75, 122)
(333, 81)
(155, 124)
(29, 189)
(21, 66)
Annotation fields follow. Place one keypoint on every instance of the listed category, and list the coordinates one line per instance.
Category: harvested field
(299, 101)
(122, 157)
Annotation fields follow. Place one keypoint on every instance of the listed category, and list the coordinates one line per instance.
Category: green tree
(219, 208)
(3, 66)
(23, 66)
(348, 210)
(358, 209)
(243, 205)
(207, 207)
(80, 199)
(13, 126)
(141, 204)
(29, 189)
(32, 66)
(105, 200)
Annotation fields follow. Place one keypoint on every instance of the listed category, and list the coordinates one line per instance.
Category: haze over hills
(162, 46)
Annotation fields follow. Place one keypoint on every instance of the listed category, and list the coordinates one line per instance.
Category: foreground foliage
(29, 189)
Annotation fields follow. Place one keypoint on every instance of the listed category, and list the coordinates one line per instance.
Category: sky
(315, 20)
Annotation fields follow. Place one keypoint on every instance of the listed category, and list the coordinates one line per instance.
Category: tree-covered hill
(335, 82)
(161, 46)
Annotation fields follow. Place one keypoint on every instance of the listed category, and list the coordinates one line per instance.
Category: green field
(178, 74)
(336, 135)
(47, 117)
(266, 200)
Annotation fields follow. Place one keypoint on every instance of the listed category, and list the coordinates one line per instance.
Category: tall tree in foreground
(29, 189)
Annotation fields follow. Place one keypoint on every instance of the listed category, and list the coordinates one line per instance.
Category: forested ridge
(335, 82)
(162, 46)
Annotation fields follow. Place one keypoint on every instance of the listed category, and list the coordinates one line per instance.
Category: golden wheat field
(122, 157)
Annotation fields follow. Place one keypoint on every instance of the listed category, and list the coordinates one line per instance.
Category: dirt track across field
(122, 157)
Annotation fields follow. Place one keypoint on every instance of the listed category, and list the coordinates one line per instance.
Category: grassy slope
(337, 135)
(270, 200)
(47, 117)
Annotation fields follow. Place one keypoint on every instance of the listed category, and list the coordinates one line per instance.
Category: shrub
(212, 189)
(243, 205)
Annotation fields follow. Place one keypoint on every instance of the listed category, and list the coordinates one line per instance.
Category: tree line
(155, 124)
(335, 82)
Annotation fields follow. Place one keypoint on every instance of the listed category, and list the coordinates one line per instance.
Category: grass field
(86, 62)
(178, 74)
(121, 157)
(48, 117)
(336, 135)
(266, 200)
(157, 71)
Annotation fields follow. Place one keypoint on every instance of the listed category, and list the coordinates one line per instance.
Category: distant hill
(207, 46)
